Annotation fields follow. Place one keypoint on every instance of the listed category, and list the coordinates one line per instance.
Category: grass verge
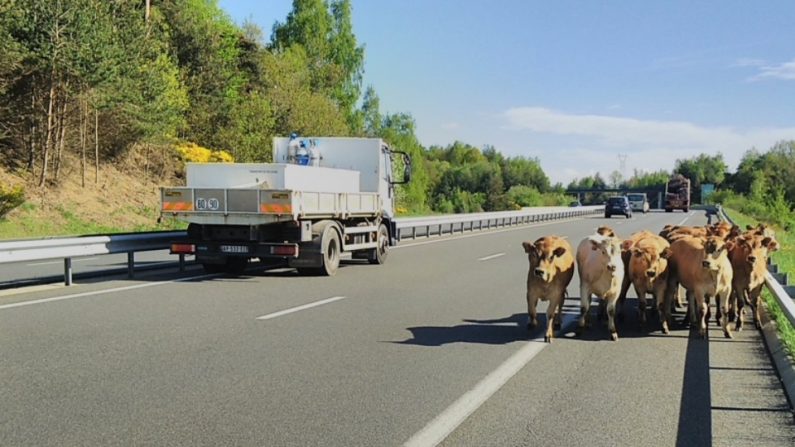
(785, 258)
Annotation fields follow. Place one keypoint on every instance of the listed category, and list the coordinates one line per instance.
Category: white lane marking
(98, 292)
(686, 217)
(497, 255)
(61, 261)
(483, 233)
(440, 428)
(30, 289)
(300, 308)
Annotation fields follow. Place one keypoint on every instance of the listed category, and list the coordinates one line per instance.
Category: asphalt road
(430, 347)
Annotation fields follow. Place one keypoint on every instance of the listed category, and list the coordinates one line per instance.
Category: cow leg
(559, 313)
(552, 310)
(739, 301)
(732, 304)
(702, 307)
(641, 293)
(755, 298)
(722, 304)
(611, 316)
(663, 301)
(532, 301)
(622, 297)
(585, 308)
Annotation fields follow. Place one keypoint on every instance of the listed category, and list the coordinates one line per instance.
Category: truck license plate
(234, 249)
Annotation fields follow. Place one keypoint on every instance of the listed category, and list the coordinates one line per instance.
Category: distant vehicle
(638, 202)
(677, 194)
(575, 203)
(618, 205)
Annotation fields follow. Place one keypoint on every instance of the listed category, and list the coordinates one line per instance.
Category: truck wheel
(686, 209)
(331, 251)
(668, 210)
(378, 255)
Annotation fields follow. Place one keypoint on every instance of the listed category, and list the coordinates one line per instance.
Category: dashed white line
(300, 308)
(686, 217)
(444, 424)
(494, 256)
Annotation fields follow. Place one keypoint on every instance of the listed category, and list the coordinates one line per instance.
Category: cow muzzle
(752, 259)
(539, 273)
(705, 264)
(611, 267)
(650, 273)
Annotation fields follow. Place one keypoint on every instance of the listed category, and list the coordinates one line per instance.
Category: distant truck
(677, 194)
(320, 198)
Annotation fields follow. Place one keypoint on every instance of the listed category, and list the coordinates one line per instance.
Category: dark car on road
(618, 205)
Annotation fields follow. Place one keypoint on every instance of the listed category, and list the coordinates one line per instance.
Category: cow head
(649, 261)
(609, 250)
(714, 253)
(754, 250)
(606, 231)
(542, 255)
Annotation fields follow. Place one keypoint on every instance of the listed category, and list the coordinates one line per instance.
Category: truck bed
(221, 206)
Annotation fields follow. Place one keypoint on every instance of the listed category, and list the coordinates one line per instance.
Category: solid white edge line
(300, 308)
(442, 425)
(494, 256)
(97, 292)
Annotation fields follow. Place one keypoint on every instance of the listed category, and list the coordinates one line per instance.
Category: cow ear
(528, 246)
(666, 253)
(770, 243)
(594, 245)
(559, 251)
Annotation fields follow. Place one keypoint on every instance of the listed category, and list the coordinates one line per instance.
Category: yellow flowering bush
(10, 198)
(193, 153)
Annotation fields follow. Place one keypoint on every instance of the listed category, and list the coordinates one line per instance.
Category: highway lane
(189, 363)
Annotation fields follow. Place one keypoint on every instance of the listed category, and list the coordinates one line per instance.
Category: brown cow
(704, 270)
(601, 272)
(551, 269)
(748, 256)
(645, 258)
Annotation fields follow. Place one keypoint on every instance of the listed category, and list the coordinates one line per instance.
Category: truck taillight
(284, 250)
(183, 249)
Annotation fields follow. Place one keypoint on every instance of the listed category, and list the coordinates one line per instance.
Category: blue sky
(576, 83)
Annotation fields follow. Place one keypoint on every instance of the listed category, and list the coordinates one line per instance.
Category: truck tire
(379, 254)
(686, 209)
(668, 210)
(331, 251)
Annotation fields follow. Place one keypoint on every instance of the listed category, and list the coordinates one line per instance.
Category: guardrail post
(67, 271)
(130, 264)
(182, 262)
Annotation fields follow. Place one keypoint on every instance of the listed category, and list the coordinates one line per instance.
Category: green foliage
(10, 198)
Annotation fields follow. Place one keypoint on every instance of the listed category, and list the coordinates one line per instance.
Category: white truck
(321, 197)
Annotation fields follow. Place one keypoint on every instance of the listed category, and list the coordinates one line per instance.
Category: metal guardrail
(67, 248)
(414, 227)
(781, 296)
(408, 228)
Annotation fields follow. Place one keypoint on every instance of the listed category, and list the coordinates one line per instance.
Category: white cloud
(588, 143)
(748, 62)
(785, 71)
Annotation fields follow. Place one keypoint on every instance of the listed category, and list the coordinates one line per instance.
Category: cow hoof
(727, 334)
(547, 339)
(614, 336)
(758, 324)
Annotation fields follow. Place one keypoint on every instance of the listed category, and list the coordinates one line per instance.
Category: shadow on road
(695, 408)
